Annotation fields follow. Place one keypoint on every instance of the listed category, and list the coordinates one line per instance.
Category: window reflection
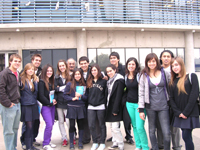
(92, 55)
(157, 51)
(131, 52)
(103, 58)
(121, 54)
(143, 52)
(197, 59)
(181, 53)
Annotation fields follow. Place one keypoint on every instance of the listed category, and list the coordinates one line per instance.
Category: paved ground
(56, 138)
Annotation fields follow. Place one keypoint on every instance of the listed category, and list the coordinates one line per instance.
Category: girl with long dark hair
(184, 91)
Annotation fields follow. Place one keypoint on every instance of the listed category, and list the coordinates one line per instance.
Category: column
(189, 52)
(81, 44)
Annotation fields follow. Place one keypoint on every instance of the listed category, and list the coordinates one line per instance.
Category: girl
(153, 97)
(46, 84)
(184, 91)
(115, 86)
(96, 105)
(131, 81)
(76, 106)
(61, 79)
(29, 108)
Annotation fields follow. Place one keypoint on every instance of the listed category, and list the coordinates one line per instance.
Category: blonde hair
(24, 78)
(181, 82)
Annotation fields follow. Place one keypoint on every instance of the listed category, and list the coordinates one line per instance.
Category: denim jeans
(163, 117)
(10, 120)
(99, 115)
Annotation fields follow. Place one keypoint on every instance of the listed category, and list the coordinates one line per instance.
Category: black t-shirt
(132, 87)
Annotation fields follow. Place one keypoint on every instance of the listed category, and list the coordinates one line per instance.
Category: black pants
(187, 137)
(99, 115)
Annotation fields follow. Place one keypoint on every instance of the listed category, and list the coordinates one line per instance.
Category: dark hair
(150, 57)
(112, 66)
(14, 56)
(137, 69)
(83, 58)
(168, 51)
(73, 82)
(58, 72)
(91, 77)
(36, 55)
(114, 54)
(44, 76)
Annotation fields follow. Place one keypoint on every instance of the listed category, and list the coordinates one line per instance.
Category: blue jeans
(10, 120)
(163, 117)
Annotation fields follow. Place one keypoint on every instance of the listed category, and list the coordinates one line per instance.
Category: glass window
(92, 55)
(181, 53)
(131, 52)
(103, 58)
(197, 59)
(120, 51)
(158, 51)
(143, 52)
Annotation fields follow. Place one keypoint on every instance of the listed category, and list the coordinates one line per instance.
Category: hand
(54, 102)
(77, 95)
(37, 79)
(182, 116)
(12, 104)
(75, 98)
(142, 116)
(114, 114)
(105, 78)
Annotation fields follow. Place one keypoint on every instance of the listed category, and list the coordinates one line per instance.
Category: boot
(71, 139)
(80, 143)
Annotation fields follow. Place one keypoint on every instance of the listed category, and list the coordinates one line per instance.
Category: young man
(10, 105)
(36, 60)
(114, 59)
(165, 59)
(71, 63)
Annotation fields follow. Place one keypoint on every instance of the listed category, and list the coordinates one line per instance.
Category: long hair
(73, 81)
(137, 68)
(91, 77)
(58, 72)
(24, 78)
(181, 82)
(44, 76)
(148, 58)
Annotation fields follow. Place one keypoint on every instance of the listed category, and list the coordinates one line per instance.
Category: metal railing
(173, 12)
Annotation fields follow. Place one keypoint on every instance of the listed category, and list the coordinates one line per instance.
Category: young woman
(29, 108)
(131, 81)
(45, 85)
(76, 106)
(96, 105)
(115, 86)
(61, 79)
(184, 91)
(153, 98)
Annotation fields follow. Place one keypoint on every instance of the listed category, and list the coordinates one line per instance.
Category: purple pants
(48, 114)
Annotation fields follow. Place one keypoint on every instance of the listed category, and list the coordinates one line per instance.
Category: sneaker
(52, 145)
(74, 142)
(64, 143)
(102, 147)
(94, 146)
(138, 148)
(34, 148)
(130, 141)
(47, 147)
(113, 147)
(24, 147)
(80, 145)
(36, 143)
(71, 146)
(109, 140)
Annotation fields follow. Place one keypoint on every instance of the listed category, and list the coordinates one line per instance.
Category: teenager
(61, 79)
(76, 106)
(153, 97)
(45, 85)
(115, 86)
(184, 91)
(96, 106)
(10, 104)
(131, 82)
(29, 107)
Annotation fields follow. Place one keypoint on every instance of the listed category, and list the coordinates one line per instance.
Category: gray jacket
(144, 89)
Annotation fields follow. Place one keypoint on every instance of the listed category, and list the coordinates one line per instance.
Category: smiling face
(77, 76)
(152, 64)
(62, 67)
(84, 65)
(49, 72)
(176, 68)
(30, 71)
(71, 64)
(131, 66)
(110, 72)
(15, 64)
(36, 62)
(166, 59)
(114, 60)
(94, 72)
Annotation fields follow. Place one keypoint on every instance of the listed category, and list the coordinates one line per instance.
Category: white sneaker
(102, 147)
(138, 148)
(47, 147)
(52, 145)
(94, 146)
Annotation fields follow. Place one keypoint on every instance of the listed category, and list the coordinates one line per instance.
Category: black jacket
(114, 105)
(39, 71)
(43, 93)
(121, 69)
(97, 94)
(61, 103)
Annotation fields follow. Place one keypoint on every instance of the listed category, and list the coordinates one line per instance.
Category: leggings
(80, 123)
(187, 137)
(28, 134)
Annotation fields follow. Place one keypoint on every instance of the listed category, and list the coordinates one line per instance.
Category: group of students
(162, 90)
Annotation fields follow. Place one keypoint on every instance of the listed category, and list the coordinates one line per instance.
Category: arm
(84, 97)
(141, 101)
(67, 96)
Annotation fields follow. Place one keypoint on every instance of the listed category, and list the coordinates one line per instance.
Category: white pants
(61, 117)
(117, 138)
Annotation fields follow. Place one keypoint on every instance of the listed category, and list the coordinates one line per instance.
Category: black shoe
(109, 140)
(113, 147)
(80, 145)
(36, 143)
(71, 146)
(86, 142)
(34, 148)
(130, 141)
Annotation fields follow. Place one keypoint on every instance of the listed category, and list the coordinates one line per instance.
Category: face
(49, 72)
(36, 62)
(94, 72)
(152, 64)
(131, 66)
(15, 63)
(166, 58)
(30, 71)
(62, 67)
(176, 68)
(71, 64)
(114, 60)
(110, 72)
(84, 65)
(77, 76)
